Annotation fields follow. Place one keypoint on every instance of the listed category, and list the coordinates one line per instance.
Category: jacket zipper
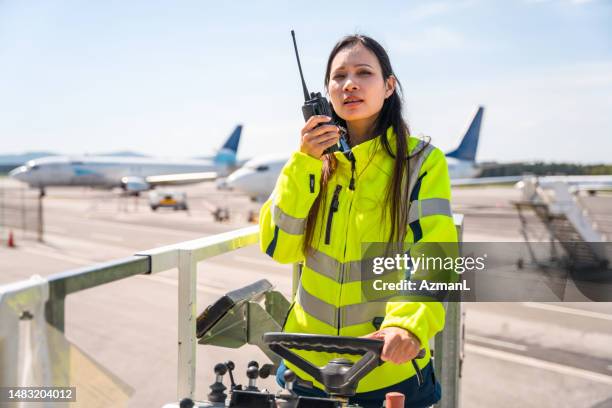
(333, 207)
(339, 311)
(352, 182)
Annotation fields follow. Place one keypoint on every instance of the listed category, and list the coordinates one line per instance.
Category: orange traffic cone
(11, 240)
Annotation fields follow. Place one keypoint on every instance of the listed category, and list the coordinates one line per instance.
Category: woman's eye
(365, 73)
(338, 76)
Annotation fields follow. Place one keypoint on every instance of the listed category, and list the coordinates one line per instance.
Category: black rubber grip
(325, 344)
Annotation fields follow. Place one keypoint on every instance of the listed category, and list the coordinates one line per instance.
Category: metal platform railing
(185, 256)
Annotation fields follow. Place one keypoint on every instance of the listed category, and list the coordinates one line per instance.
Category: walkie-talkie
(316, 104)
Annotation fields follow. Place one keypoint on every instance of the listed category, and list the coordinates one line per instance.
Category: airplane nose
(222, 184)
(236, 180)
(18, 173)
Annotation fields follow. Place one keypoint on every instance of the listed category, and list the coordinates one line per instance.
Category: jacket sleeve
(430, 221)
(282, 218)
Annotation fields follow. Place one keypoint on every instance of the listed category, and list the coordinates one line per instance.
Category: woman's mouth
(352, 101)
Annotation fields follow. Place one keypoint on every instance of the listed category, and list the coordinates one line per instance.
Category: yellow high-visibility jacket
(329, 299)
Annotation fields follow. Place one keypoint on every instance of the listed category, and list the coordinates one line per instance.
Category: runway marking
(106, 237)
(493, 342)
(537, 363)
(569, 310)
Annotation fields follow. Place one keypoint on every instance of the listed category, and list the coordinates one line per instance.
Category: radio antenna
(306, 94)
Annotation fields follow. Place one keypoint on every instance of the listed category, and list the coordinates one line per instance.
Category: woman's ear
(390, 86)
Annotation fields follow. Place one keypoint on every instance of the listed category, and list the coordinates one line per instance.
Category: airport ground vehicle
(167, 199)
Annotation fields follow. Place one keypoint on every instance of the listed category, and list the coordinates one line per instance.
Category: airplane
(257, 177)
(132, 174)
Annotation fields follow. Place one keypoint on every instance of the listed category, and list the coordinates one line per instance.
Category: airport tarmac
(516, 354)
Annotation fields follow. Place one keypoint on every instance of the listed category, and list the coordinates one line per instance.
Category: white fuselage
(258, 176)
(104, 171)
(462, 168)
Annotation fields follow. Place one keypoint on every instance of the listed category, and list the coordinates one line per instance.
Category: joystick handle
(289, 377)
(186, 403)
(230, 368)
(217, 388)
(253, 363)
(266, 370)
(252, 374)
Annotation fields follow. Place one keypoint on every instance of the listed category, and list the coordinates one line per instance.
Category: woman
(326, 206)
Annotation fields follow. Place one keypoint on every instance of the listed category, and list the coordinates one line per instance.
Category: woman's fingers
(390, 347)
(317, 140)
(314, 121)
(328, 139)
(398, 348)
(321, 130)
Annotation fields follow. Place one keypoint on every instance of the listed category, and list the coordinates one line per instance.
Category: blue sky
(173, 78)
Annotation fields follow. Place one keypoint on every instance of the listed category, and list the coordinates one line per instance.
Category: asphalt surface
(516, 354)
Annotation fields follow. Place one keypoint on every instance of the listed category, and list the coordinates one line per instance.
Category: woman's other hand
(316, 139)
(400, 345)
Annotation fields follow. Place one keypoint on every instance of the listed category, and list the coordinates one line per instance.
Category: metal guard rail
(184, 256)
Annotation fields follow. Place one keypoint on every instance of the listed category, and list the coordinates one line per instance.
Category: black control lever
(339, 376)
(230, 368)
(217, 389)
(252, 374)
(289, 377)
(266, 370)
(417, 369)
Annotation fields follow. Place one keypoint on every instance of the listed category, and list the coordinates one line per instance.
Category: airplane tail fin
(227, 153)
(469, 144)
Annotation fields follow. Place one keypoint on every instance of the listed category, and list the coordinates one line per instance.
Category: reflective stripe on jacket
(329, 297)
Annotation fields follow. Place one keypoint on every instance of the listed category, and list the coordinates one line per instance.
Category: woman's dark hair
(396, 199)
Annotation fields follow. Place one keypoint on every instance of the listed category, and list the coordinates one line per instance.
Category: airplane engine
(134, 185)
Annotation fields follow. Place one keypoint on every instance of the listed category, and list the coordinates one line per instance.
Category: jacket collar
(364, 153)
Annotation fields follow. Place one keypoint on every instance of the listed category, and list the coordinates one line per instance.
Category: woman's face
(356, 85)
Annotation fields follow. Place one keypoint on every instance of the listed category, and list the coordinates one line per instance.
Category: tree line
(545, 169)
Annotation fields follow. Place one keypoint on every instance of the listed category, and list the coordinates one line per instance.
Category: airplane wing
(184, 178)
(482, 181)
(603, 182)
(582, 183)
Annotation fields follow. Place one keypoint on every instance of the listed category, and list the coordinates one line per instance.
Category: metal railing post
(2, 222)
(41, 220)
(54, 311)
(449, 356)
(55, 308)
(187, 275)
(448, 345)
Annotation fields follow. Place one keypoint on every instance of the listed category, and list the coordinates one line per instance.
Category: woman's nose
(349, 85)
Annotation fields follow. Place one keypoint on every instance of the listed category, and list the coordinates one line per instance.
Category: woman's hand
(400, 346)
(316, 139)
